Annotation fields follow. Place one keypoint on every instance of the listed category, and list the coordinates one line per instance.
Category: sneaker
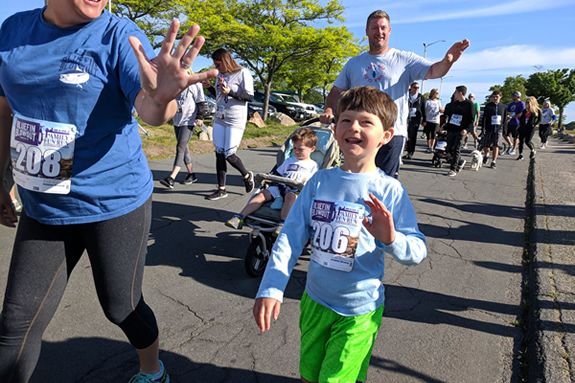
(461, 165)
(408, 156)
(190, 179)
(218, 194)
(485, 160)
(465, 147)
(520, 157)
(493, 165)
(149, 378)
(543, 146)
(452, 173)
(512, 152)
(168, 182)
(236, 222)
(249, 182)
(428, 150)
(532, 154)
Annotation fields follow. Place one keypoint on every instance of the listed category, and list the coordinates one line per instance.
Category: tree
(266, 35)
(556, 85)
(321, 70)
(510, 85)
(152, 16)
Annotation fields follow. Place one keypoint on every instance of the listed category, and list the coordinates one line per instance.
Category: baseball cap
(516, 94)
(471, 95)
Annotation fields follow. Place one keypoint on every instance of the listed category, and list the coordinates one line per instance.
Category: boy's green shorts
(335, 348)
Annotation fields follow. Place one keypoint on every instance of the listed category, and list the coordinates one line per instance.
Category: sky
(508, 38)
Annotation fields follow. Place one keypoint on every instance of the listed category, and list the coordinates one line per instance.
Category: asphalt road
(452, 318)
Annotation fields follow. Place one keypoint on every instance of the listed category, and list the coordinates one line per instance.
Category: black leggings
(42, 260)
(222, 167)
(544, 132)
(412, 137)
(525, 137)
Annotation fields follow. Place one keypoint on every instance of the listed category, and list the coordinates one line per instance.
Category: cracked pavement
(452, 318)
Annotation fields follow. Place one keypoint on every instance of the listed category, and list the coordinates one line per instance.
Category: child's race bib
(42, 154)
(336, 227)
(496, 120)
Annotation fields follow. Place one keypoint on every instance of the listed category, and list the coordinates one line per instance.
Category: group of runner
(499, 130)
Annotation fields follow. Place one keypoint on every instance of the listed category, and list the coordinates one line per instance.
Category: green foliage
(510, 85)
(556, 85)
(271, 37)
(152, 16)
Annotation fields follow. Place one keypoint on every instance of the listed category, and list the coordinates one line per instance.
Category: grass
(160, 141)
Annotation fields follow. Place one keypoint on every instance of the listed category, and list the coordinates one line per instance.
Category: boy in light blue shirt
(352, 215)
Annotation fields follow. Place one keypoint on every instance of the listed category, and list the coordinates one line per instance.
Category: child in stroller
(299, 168)
(266, 221)
(440, 153)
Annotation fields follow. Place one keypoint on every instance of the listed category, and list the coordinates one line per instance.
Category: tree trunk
(267, 91)
(560, 121)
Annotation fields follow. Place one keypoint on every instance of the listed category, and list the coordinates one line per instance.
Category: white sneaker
(452, 173)
(512, 152)
(543, 146)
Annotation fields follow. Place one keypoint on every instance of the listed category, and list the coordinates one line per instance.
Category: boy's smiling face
(359, 135)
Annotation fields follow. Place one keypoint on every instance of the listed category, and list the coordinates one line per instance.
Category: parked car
(309, 110)
(256, 106)
(295, 111)
(210, 107)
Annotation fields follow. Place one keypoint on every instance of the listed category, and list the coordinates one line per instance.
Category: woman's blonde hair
(433, 93)
(229, 65)
(532, 105)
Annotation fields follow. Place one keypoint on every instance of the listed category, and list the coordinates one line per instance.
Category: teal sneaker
(141, 377)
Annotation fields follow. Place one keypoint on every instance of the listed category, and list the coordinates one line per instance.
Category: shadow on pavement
(492, 210)
(233, 178)
(178, 240)
(99, 360)
(422, 306)
(569, 269)
(389, 365)
(473, 232)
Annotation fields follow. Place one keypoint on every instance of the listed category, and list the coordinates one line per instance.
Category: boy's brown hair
(370, 100)
(305, 135)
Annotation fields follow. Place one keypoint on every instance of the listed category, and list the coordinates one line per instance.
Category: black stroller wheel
(257, 256)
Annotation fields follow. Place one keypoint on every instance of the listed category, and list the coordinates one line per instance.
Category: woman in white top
(433, 110)
(234, 88)
(547, 119)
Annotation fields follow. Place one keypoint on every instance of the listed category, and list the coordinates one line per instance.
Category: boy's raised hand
(381, 226)
(264, 309)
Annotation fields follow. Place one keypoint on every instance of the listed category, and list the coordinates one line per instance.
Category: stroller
(440, 154)
(265, 221)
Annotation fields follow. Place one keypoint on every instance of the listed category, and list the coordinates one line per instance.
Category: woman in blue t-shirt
(70, 76)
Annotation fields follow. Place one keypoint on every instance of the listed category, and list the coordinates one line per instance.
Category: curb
(532, 344)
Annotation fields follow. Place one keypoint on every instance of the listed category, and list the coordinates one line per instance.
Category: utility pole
(425, 45)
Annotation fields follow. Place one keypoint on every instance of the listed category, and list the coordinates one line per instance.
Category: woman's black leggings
(544, 132)
(222, 167)
(525, 137)
(42, 260)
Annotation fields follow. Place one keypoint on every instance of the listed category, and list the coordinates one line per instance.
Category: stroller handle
(263, 178)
